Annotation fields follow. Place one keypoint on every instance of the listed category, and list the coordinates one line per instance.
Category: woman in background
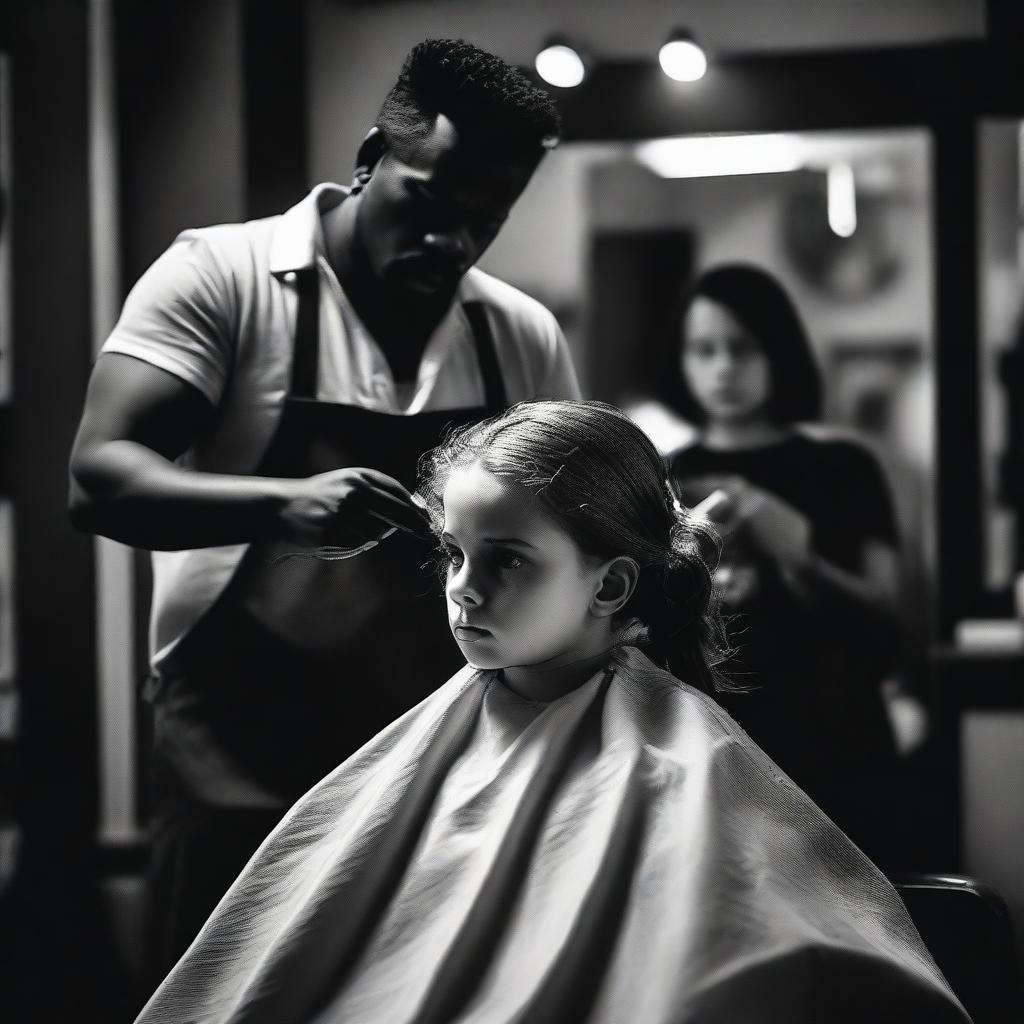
(808, 576)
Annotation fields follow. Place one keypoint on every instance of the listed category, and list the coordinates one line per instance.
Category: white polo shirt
(217, 309)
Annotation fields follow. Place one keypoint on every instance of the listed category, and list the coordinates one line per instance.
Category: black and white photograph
(512, 513)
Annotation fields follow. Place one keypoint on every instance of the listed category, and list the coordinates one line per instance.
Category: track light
(682, 59)
(560, 64)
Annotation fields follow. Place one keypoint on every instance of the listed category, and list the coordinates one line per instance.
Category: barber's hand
(349, 507)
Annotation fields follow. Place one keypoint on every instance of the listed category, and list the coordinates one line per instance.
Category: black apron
(301, 661)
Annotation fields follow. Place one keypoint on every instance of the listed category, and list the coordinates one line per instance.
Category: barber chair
(967, 928)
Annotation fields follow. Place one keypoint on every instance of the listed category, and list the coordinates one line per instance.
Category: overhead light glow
(842, 200)
(707, 156)
(560, 65)
(682, 59)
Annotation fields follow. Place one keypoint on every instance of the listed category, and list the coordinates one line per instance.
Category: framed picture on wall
(876, 387)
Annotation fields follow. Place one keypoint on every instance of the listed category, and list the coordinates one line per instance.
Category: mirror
(608, 235)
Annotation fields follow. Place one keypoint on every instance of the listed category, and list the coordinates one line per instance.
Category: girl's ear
(618, 581)
(373, 147)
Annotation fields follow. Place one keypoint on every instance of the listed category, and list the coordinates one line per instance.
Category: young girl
(563, 832)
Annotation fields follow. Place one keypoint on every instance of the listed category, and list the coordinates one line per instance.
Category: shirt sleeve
(179, 317)
(865, 478)
(560, 377)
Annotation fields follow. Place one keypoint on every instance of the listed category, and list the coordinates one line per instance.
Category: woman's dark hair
(761, 304)
(605, 484)
(498, 108)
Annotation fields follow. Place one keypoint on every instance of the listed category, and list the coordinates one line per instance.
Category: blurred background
(868, 152)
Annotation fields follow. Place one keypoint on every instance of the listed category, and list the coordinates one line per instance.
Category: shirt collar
(294, 243)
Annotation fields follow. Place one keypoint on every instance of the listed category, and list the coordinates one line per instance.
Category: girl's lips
(470, 634)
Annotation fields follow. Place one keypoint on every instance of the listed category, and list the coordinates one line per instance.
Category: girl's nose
(464, 590)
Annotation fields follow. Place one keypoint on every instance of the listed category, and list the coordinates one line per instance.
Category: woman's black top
(817, 707)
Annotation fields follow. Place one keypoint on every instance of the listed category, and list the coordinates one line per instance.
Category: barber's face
(425, 220)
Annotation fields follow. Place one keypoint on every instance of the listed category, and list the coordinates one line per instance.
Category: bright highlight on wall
(682, 59)
(560, 65)
(842, 200)
(705, 156)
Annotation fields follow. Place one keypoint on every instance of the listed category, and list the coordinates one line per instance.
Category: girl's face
(519, 589)
(724, 365)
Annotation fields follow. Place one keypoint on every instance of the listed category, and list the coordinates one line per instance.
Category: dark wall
(275, 57)
(198, 93)
(180, 122)
(51, 938)
(51, 348)
(211, 116)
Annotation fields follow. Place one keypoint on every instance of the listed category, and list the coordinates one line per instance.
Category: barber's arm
(155, 390)
(125, 484)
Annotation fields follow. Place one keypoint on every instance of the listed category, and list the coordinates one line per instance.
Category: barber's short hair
(492, 103)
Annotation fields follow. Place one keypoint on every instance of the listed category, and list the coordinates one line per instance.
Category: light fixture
(682, 58)
(707, 156)
(842, 200)
(560, 64)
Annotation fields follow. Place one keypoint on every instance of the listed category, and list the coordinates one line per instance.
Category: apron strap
(495, 397)
(306, 355)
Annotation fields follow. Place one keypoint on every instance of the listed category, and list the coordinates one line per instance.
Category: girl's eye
(509, 559)
(454, 556)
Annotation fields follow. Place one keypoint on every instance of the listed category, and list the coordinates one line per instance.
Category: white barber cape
(621, 855)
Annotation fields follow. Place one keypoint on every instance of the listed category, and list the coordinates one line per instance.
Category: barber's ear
(617, 586)
(373, 147)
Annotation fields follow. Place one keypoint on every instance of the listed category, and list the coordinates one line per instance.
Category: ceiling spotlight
(682, 59)
(560, 64)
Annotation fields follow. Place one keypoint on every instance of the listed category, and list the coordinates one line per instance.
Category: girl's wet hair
(605, 484)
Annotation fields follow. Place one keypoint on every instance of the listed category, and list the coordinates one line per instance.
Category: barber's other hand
(348, 507)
